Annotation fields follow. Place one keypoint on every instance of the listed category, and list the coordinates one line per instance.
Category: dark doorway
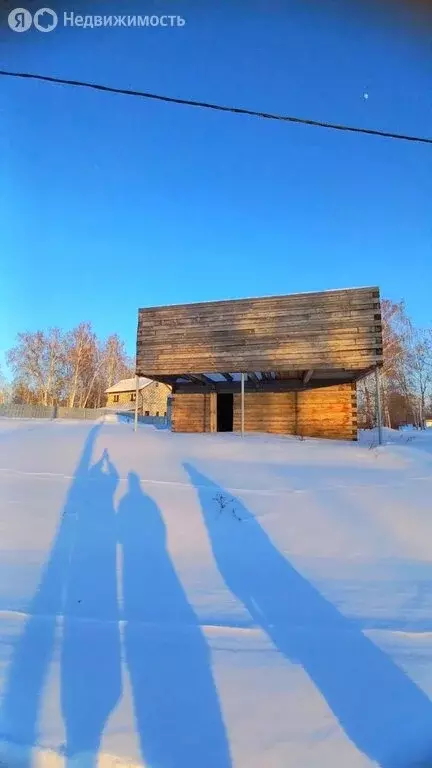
(224, 413)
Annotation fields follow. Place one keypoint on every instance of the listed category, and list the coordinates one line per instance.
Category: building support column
(136, 402)
(242, 403)
(378, 404)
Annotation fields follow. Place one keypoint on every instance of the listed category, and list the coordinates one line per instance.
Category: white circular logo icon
(45, 20)
(20, 20)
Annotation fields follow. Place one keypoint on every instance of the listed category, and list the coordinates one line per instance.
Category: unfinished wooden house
(282, 364)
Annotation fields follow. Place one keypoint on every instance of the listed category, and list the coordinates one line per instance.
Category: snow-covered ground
(210, 602)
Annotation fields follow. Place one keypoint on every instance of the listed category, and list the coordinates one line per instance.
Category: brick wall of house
(152, 399)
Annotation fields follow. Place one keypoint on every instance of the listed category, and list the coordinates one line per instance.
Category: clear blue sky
(109, 203)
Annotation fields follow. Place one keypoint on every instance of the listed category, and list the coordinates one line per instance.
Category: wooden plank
(203, 379)
(317, 318)
(337, 322)
(359, 363)
(339, 328)
(351, 296)
(294, 298)
(192, 378)
(342, 326)
(196, 379)
(260, 352)
(248, 345)
(253, 378)
(260, 322)
(264, 386)
(352, 342)
(213, 411)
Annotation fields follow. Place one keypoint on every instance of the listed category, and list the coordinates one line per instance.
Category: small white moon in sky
(366, 96)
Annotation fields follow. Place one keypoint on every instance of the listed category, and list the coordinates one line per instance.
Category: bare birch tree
(81, 346)
(420, 367)
(406, 378)
(115, 360)
(38, 361)
(4, 388)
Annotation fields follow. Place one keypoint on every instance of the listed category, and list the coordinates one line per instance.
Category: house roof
(128, 385)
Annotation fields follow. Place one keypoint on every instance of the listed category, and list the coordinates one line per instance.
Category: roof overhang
(259, 381)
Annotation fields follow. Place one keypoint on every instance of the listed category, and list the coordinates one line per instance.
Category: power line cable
(217, 107)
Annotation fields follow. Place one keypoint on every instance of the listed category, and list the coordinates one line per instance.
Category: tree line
(406, 376)
(75, 368)
(72, 368)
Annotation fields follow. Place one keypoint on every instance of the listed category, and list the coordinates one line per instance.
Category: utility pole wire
(217, 107)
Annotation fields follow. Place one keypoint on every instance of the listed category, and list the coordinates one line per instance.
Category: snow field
(203, 601)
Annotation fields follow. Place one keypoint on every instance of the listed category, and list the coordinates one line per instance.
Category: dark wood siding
(332, 330)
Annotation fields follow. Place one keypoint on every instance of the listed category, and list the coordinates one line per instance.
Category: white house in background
(152, 396)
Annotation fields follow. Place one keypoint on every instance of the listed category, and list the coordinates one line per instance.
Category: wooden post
(242, 403)
(378, 404)
(213, 411)
(136, 402)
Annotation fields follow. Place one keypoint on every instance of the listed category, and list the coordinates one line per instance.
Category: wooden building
(300, 355)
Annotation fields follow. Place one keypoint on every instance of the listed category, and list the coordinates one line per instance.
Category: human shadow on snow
(76, 590)
(176, 704)
(75, 609)
(382, 711)
(90, 653)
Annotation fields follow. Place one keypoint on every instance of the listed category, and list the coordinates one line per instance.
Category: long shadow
(176, 705)
(77, 590)
(380, 708)
(90, 657)
(27, 673)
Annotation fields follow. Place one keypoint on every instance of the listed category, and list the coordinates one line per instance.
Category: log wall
(267, 412)
(333, 329)
(191, 413)
(329, 412)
